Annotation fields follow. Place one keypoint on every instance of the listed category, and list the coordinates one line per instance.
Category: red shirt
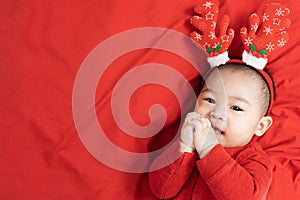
(231, 173)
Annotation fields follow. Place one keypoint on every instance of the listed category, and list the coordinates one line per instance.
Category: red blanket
(66, 101)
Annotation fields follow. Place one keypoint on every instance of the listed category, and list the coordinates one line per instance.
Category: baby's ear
(263, 125)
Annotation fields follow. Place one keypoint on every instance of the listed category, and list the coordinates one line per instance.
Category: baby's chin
(231, 144)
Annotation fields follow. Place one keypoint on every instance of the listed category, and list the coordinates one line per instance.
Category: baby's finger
(195, 122)
(192, 116)
(205, 123)
(202, 125)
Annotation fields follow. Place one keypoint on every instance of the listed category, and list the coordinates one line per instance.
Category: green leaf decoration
(218, 48)
(252, 47)
(209, 50)
(262, 52)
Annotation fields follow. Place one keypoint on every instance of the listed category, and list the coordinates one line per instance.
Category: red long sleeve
(245, 174)
(247, 177)
(168, 181)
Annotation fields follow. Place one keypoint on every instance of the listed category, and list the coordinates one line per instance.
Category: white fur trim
(258, 63)
(218, 60)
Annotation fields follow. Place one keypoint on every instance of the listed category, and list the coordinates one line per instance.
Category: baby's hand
(205, 138)
(191, 122)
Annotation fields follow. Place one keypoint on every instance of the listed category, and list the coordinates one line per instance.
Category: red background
(42, 45)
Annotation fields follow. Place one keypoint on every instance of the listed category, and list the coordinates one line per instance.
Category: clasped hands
(197, 134)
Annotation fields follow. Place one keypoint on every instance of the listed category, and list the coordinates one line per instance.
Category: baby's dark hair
(264, 94)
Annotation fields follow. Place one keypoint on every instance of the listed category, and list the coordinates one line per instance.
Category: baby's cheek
(203, 109)
(197, 107)
(240, 138)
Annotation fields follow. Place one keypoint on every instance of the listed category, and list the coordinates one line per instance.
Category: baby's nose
(218, 114)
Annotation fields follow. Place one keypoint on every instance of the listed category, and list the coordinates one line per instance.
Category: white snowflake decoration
(208, 5)
(270, 46)
(198, 37)
(254, 27)
(268, 30)
(282, 31)
(248, 41)
(212, 35)
(213, 25)
(216, 44)
(279, 12)
(265, 17)
(281, 42)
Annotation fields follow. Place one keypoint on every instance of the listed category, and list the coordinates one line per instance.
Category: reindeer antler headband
(272, 36)
(206, 23)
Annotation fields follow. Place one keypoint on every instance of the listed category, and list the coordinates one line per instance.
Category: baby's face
(230, 101)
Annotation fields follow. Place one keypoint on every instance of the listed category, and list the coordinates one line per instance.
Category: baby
(221, 159)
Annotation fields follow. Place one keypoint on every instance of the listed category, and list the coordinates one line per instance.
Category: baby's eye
(236, 108)
(209, 100)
